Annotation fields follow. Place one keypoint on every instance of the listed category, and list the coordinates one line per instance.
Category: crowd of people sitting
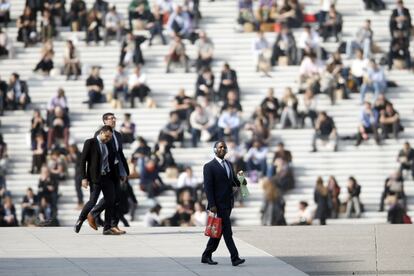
(214, 111)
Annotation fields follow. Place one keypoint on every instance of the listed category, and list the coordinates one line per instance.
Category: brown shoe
(111, 231)
(91, 221)
(119, 230)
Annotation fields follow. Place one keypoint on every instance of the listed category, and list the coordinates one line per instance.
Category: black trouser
(387, 192)
(277, 52)
(98, 209)
(93, 35)
(368, 130)
(44, 65)
(78, 187)
(409, 167)
(405, 55)
(393, 128)
(212, 244)
(157, 30)
(27, 212)
(37, 161)
(374, 4)
(311, 114)
(140, 92)
(332, 30)
(108, 190)
(94, 191)
(106, 185)
(203, 63)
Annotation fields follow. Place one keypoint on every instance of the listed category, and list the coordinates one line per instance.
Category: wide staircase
(369, 163)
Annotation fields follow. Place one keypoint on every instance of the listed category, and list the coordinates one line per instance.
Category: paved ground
(339, 250)
(315, 250)
(143, 251)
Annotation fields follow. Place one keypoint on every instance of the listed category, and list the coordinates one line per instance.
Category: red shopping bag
(277, 27)
(309, 18)
(214, 226)
(407, 219)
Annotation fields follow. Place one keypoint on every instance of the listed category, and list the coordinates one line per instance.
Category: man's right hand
(213, 209)
(85, 183)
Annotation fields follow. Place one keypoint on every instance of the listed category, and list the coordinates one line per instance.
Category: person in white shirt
(305, 216)
(152, 217)
(261, 53)
(307, 107)
(199, 218)
(256, 157)
(359, 67)
(205, 49)
(229, 124)
(187, 181)
(310, 71)
(202, 125)
(137, 85)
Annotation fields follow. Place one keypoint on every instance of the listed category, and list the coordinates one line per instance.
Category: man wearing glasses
(121, 165)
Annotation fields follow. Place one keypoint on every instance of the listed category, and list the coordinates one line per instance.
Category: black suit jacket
(112, 147)
(406, 12)
(91, 160)
(120, 152)
(232, 75)
(217, 186)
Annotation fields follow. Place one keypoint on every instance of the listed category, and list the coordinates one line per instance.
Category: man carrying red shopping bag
(219, 180)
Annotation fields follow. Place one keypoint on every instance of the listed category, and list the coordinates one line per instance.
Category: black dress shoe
(78, 226)
(238, 261)
(208, 261)
(110, 232)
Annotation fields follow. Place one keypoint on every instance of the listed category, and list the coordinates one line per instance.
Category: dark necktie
(105, 158)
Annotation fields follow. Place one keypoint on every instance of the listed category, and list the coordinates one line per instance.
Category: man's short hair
(218, 142)
(105, 129)
(106, 115)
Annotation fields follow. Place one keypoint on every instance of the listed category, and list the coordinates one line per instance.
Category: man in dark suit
(99, 173)
(219, 180)
(228, 81)
(400, 20)
(121, 166)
